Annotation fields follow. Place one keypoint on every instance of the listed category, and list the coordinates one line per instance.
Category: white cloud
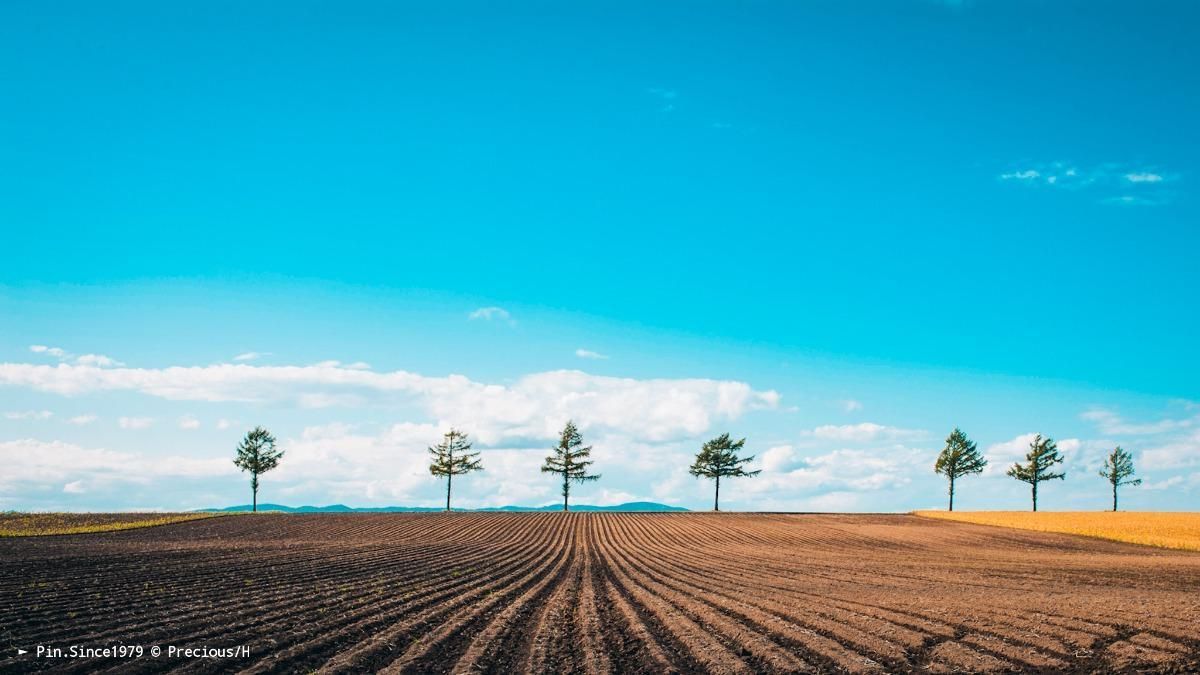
(187, 422)
(1059, 174)
(1109, 422)
(535, 406)
(1001, 456)
(645, 431)
(1078, 455)
(135, 422)
(786, 471)
(75, 487)
(98, 360)
(778, 458)
(56, 462)
(1143, 177)
(50, 463)
(850, 405)
(1173, 442)
(1167, 484)
(490, 314)
(250, 356)
(335, 460)
(866, 431)
(1062, 175)
(83, 419)
(589, 354)
(29, 415)
(1026, 175)
(1132, 200)
(51, 351)
(316, 400)
(343, 463)
(357, 365)
(1183, 451)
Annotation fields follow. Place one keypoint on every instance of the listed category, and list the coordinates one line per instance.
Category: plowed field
(599, 593)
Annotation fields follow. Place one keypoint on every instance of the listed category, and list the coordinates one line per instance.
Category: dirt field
(600, 593)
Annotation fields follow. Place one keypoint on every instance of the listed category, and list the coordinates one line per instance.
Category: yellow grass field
(38, 524)
(1166, 530)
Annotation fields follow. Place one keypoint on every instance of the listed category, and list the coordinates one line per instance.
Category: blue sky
(837, 229)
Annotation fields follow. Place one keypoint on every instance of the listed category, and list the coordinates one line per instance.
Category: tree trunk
(717, 496)
(1035, 496)
(566, 491)
(1114, 497)
(449, 478)
(951, 493)
(254, 502)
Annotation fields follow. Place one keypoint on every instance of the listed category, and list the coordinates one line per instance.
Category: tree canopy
(1042, 456)
(258, 455)
(570, 459)
(453, 457)
(959, 458)
(1118, 468)
(719, 458)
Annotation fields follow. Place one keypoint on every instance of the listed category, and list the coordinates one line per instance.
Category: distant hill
(342, 508)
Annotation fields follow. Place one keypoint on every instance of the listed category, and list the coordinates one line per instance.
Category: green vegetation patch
(14, 524)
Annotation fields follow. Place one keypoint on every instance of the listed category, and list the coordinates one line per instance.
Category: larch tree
(258, 455)
(570, 459)
(1041, 458)
(453, 457)
(1118, 470)
(719, 458)
(959, 458)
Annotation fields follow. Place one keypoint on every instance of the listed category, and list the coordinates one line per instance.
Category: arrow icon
(21, 651)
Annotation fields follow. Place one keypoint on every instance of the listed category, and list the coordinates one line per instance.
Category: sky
(838, 230)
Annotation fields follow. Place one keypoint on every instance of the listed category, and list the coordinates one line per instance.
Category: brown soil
(601, 593)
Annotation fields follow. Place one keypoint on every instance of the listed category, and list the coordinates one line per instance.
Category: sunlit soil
(1166, 530)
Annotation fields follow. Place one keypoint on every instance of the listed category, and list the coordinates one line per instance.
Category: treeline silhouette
(718, 458)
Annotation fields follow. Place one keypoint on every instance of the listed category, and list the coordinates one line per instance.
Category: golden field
(1166, 530)
(38, 524)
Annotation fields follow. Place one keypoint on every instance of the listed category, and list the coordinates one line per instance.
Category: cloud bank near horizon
(644, 431)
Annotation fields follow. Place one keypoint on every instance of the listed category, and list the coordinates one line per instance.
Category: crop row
(602, 593)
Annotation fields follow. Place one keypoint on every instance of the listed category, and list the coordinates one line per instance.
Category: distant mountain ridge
(342, 508)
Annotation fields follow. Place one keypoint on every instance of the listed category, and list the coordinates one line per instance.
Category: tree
(570, 459)
(719, 457)
(257, 454)
(959, 458)
(1042, 456)
(453, 457)
(1118, 467)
